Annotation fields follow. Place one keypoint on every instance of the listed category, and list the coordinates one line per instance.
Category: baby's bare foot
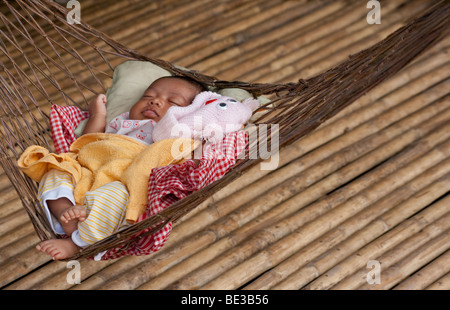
(76, 212)
(58, 248)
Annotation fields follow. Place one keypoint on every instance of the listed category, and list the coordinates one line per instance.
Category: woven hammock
(62, 63)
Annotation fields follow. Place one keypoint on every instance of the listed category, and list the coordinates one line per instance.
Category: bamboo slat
(427, 274)
(424, 254)
(147, 266)
(326, 133)
(370, 183)
(277, 252)
(285, 208)
(442, 284)
(316, 267)
(250, 49)
(374, 249)
(362, 231)
(204, 273)
(314, 54)
(308, 66)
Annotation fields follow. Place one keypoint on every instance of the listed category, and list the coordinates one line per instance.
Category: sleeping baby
(91, 222)
(138, 123)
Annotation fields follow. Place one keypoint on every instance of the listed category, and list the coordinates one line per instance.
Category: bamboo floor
(368, 189)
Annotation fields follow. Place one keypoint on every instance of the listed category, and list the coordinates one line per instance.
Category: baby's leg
(107, 208)
(58, 248)
(56, 197)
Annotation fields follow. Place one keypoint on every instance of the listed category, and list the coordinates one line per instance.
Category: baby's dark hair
(198, 86)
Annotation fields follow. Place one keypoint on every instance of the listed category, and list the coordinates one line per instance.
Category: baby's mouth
(149, 113)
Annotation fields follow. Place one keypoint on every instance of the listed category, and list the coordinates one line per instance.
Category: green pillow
(130, 80)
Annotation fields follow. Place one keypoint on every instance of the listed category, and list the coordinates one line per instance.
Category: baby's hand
(98, 107)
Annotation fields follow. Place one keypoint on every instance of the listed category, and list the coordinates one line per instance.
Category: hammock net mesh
(46, 60)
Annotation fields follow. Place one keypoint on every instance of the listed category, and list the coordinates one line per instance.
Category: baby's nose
(157, 101)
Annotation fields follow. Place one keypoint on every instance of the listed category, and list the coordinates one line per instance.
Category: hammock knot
(301, 85)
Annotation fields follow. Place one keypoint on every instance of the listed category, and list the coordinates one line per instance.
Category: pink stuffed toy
(209, 117)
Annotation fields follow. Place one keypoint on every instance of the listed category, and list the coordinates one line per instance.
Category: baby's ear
(253, 104)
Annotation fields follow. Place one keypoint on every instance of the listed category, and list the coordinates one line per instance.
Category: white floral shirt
(137, 129)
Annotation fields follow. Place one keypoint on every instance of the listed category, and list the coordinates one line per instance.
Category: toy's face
(210, 116)
(228, 110)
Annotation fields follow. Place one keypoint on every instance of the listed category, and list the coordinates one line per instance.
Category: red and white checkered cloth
(166, 184)
(63, 122)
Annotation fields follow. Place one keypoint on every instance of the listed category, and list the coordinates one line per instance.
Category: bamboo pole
(21, 231)
(441, 284)
(300, 237)
(159, 282)
(58, 280)
(250, 49)
(230, 36)
(425, 64)
(4, 181)
(20, 265)
(283, 174)
(222, 38)
(338, 241)
(353, 32)
(120, 266)
(308, 68)
(6, 196)
(319, 52)
(26, 238)
(11, 206)
(413, 262)
(279, 46)
(374, 249)
(427, 275)
(199, 243)
(192, 35)
(417, 239)
(314, 270)
(54, 270)
(107, 23)
(174, 28)
(10, 222)
(137, 25)
(307, 196)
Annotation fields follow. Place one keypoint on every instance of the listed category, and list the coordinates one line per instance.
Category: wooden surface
(371, 184)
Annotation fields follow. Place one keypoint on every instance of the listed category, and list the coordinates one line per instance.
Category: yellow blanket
(100, 158)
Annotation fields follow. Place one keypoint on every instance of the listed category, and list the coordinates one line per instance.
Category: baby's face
(160, 96)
